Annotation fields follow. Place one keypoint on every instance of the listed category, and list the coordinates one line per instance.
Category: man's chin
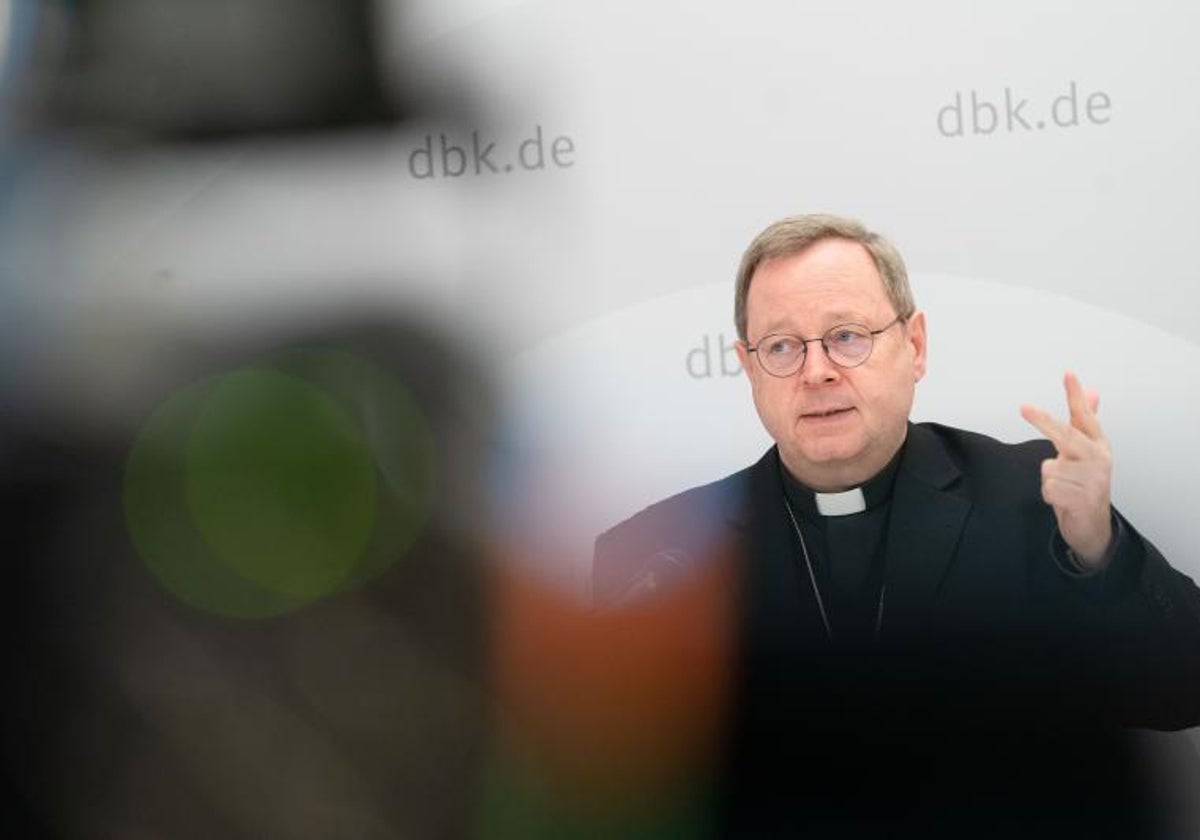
(826, 467)
(831, 451)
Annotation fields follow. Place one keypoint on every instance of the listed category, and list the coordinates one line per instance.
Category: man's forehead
(832, 257)
(817, 289)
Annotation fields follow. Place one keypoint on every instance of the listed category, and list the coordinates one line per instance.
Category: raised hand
(1077, 483)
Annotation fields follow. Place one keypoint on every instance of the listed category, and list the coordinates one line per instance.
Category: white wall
(683, 128)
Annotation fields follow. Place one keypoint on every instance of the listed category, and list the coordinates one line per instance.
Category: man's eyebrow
(777, 325)
(846, 316)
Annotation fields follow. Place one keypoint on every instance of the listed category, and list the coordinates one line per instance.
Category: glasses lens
(781, 354)
(849, 344)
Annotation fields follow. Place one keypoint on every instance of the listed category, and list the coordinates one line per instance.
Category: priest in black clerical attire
(940, 634)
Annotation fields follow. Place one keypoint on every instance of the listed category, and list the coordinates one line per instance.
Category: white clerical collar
(841, 504)
(873, 492)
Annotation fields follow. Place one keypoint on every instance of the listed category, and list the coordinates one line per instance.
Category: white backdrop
(584, 208)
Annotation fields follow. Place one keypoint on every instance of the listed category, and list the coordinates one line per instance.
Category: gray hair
(797, 233)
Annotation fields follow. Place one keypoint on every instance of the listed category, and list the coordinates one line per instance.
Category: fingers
(1078, 437)
(1077, 483)
(1089, 478)
(1054, 430)
(1082, 409)
(1070, 442)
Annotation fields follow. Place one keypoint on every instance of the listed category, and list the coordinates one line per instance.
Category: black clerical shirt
(847, 554)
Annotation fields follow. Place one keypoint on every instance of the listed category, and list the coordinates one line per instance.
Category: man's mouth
(826, 412)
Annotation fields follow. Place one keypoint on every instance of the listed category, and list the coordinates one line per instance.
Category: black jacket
(997, 693)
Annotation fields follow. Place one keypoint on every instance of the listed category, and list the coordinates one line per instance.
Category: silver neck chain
(812, 578)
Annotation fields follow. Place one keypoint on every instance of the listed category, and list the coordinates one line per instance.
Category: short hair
(798, 233)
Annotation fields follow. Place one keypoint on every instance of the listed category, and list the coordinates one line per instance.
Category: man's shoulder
(967, 448)
(694, 498)
(689, 526)
(695, 507)
(983, 463)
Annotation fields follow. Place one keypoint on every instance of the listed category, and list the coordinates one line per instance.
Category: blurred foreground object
(180, 69)
(256, 491)
(251, 606)
(248, 527)
(610, 722)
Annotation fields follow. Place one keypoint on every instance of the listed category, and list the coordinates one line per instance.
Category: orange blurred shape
(615, 708)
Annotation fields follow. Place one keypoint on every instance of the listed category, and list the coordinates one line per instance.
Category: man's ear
(917, 339)
(744, 354)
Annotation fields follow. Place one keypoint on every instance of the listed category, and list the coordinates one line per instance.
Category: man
(938, 629)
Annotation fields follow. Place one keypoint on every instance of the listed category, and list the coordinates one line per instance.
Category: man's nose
(818, 368)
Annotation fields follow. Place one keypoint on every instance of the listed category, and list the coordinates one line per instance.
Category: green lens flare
(280, 483)
(160, 524)
(253, 493)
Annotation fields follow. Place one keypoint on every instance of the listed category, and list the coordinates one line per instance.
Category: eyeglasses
(846, 345)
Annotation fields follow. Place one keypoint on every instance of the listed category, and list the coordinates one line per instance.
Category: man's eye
(782, 346)
(845, 336)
